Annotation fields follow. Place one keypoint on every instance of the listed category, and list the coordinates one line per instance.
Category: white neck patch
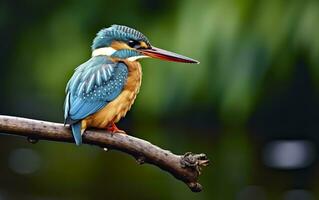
(108, 51)
(105, 51)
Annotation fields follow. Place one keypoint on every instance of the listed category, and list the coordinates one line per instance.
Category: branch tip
(195, 187)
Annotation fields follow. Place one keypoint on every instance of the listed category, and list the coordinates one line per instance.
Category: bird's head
(121, 42)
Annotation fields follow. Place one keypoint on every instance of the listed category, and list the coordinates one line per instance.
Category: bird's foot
(113, 129)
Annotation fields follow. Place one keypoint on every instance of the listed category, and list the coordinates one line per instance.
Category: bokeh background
(252, 104)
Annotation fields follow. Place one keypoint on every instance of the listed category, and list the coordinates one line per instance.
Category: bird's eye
(133, 43)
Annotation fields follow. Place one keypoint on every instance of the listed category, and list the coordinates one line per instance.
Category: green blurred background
(252, 103)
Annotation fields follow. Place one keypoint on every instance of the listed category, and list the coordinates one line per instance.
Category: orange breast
(118, 108)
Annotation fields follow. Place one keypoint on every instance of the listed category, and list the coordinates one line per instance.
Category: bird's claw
(113, 129)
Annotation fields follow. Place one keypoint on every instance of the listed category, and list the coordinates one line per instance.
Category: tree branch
(186, 168)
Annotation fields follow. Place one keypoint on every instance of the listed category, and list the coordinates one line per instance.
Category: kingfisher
(102, 90)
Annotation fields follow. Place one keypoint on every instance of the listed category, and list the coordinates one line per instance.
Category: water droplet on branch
(32, 140)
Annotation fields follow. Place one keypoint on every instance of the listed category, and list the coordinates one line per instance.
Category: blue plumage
(101, 79)
(117, 32)
(94, 84)
(125, 53)
(76, 130)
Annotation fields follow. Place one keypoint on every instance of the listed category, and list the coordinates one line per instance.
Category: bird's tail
(76, 130)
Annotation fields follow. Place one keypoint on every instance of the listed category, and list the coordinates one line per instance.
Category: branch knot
(194, 161)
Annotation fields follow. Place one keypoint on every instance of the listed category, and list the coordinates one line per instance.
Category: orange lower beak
(162, 54)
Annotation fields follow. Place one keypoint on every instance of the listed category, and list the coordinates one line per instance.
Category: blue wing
(93, 85)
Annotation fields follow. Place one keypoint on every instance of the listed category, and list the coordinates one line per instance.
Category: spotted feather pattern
(94, 84)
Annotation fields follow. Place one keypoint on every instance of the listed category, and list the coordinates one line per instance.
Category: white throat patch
(108, 51)
(105, 51)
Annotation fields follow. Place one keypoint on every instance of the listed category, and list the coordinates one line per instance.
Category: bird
(102, 90)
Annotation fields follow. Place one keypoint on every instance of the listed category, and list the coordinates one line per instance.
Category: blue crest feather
(117, 32)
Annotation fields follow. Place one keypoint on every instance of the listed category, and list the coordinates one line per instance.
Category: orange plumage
(118, 108)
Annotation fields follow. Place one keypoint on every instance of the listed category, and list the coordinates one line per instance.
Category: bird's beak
(162, 54)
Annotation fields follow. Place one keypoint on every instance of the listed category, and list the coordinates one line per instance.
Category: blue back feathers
(99, 80)
(94, 84)
(105, 36)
